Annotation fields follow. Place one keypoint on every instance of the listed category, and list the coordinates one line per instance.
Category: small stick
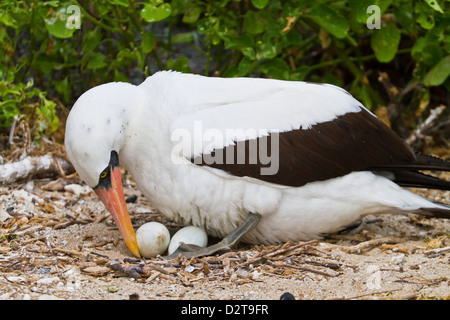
(70, 252)
(365, 295)
(290, 248)
(301, 268)
(369, 244)
(438, 250)
(11, 132)
(162, 270)
(155, 275)
(418, 133)
(100, 255)
(63, 225)
(58, 166)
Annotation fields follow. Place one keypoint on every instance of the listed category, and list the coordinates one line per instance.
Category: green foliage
(23, 98)
(59, 49)
(155, 10)
(385, 43)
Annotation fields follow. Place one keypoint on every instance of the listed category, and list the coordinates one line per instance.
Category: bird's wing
(289, 136)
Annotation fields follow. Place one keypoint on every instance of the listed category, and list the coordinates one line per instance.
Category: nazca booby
(261, 160)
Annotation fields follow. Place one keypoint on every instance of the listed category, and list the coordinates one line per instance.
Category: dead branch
(427, 124)
(133, 271)
(33, 166)
(13, 129)
(363, 246)
(438, 250)
(303, 268)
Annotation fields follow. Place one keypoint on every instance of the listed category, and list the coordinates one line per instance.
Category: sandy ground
(58, 242)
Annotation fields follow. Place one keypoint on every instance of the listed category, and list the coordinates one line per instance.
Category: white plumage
(139, 123)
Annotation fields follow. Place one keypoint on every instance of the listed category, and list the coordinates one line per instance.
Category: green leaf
(148, 42)
(96, 61)
(330, 20)
(276, 68)
(416, 50)
(91, 39)
(63, 88)
(207, 25)
(260, 4)
(245, 67)
(431, 53)
(8, 20)
(404, 17)
(123, 3)
(243, 41)
(44, 63)
(253, 23)
(47, 119)
(426, 21)
(265, 50)
(58, 23)
(180, 6)
(181, 64)
(439, 73)
(192, 14)
(447, 44)
(231, 72)
(120, 77)
(156, 10)
(126, 56)
(435, 5)
(384, 42)
(424, 16)
(359, 8)
(183, 37)
(8, 109)
(300, 73)
(249, 53)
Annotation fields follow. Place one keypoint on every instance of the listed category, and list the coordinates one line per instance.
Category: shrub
(55, 50)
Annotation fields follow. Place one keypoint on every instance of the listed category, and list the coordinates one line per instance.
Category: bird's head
(95, 133)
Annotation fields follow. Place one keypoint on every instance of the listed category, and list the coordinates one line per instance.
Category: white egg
(153, 239)
(188, 235)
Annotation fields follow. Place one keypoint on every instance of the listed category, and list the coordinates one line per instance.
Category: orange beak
(114, 200)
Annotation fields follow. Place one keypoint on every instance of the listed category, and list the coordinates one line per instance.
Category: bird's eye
(103, 174)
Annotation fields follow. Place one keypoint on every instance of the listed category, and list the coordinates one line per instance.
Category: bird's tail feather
(408, 175)
(427, 162)
(422, 162)
(418, 179)
(437, 212)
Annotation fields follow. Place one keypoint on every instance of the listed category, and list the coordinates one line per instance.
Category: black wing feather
(356, 141)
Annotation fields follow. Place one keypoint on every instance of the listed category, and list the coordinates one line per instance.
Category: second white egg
(188, 235)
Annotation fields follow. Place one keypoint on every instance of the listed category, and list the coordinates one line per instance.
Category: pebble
(16, 279)
(77, 190)
(48, 280)
(189, 268)
(398, 259)
(4, 215)
(256, 274)
(24, 195)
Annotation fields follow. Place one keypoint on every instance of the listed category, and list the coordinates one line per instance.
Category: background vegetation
(46, 62)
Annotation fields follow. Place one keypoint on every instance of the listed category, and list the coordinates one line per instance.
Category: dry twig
(427, 124)
(360, 247)
(32, 166)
